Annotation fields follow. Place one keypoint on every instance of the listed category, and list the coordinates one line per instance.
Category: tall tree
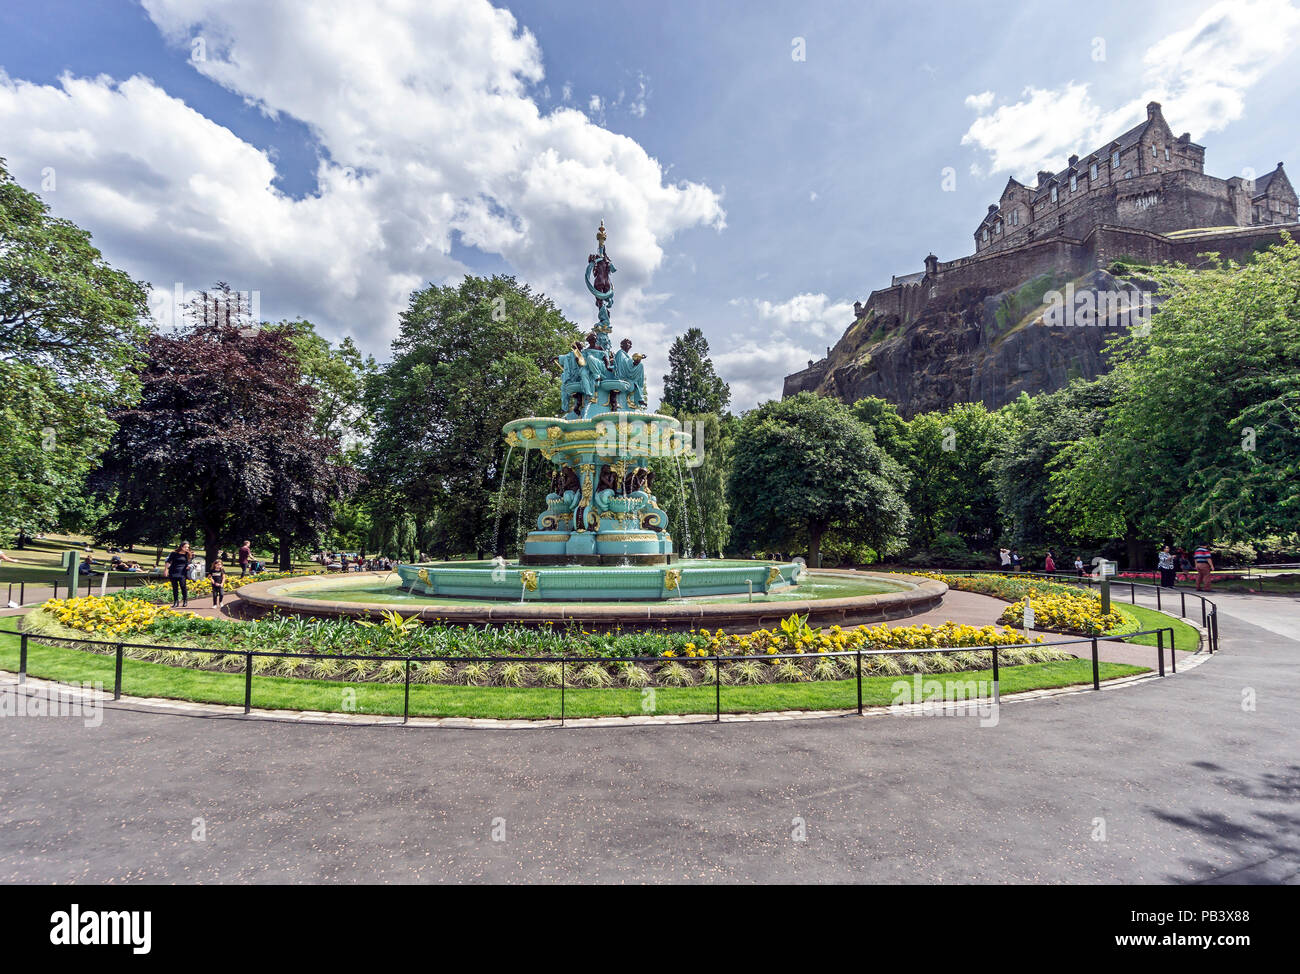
(1202, 440)
(72, 332)
(221, 443)
(804, 465)
(950, 456)
(467, 359)
(692, 385)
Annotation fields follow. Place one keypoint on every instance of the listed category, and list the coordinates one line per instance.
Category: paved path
(1187, 783)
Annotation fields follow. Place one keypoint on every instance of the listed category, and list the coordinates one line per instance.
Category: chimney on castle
(1073, 161)
(993, 208)
(1153, 110)
(1043, 177)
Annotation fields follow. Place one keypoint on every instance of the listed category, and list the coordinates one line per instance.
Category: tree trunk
(286, 560)
(1135, 550)
(815, 546)
(211, 543)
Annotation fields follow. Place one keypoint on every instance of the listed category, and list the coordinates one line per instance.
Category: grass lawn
(1186, 639)
(156, 680)
(45, 554)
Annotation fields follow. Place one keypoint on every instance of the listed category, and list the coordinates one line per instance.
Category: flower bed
(675, 659)
(1057, 607)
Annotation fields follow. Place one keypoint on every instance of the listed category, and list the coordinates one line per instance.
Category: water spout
(501, 491)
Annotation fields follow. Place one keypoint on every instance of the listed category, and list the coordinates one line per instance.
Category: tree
(1202, 440)
(338, 375)
(692, 385)
(1037, 428)
(949, 455)
(72, 331)
(467, 360)
(701, 486)
(804, 465)
(221, 443)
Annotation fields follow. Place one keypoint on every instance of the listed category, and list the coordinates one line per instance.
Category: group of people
(1172, 562)
(349, 562)
(1011, 560)
(182, 566)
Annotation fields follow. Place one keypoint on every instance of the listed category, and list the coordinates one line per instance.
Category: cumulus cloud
(1200, 74)
(429, 137)
(756, 369)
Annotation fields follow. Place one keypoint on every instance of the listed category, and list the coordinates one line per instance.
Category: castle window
(1015, 218)
(1053, 194)
(984, 234)
(1153, 152)
(1114, 159)
(1092, 172)
(1166, 153)
(997, 227)
(1074, 182)
(1128, 173)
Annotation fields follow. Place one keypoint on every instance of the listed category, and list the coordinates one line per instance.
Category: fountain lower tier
(566, 583)
(601, 509)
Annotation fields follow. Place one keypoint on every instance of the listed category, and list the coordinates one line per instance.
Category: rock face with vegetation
(978, 345)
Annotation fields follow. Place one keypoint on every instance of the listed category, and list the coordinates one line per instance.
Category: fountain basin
(884, 597)
(575, 583)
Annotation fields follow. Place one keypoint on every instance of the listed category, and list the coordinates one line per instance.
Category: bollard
(997, 692)
(860, 683)
(22, 658)
(406, 700)
(248, 682)
(1096, 666)
(717, 690)
(117, 672)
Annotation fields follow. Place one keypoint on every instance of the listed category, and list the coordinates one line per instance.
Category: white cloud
(425, 143)
(756, 370)
(1200, 74)
(813, 314)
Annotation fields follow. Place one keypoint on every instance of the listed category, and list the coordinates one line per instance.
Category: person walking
(1004, 556)
(1168, 567)
(178, 565)
(245, 556)
(1015, 560)
(1049, 564)
(1204, 569)
(1078, 565)
(218, 578)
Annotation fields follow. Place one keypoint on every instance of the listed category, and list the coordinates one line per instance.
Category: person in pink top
(1049, 564)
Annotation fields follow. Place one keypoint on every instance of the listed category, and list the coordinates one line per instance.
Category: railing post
(1160, 648)
(717, 690)
(117, 672)
(22, 658)
(1183, 595)
(248, 682)
(1158, 606)
(406, 698)
(22, 593)
(562, 682)
(997, 680)
(859, 683)
(1096, 666)
(1202, 611)
(1173, 649)
(1214, 631)
(1132, 593)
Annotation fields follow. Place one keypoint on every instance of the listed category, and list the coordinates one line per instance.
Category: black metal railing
(119, 649)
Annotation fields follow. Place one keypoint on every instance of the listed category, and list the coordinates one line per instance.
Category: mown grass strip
(282, 693)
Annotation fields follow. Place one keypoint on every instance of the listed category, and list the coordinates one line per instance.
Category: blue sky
(332, 157)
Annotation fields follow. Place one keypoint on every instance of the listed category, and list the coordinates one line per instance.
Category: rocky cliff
(977, 345)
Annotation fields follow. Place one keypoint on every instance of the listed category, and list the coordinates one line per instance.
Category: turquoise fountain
(603, 535)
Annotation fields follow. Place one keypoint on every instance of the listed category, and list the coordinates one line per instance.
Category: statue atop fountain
(601, 509)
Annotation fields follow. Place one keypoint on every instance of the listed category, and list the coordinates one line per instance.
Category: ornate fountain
(603, 535)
